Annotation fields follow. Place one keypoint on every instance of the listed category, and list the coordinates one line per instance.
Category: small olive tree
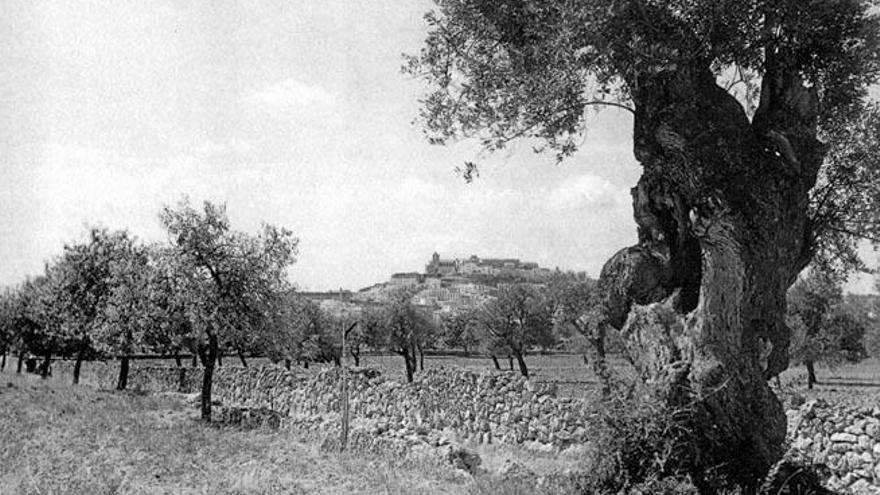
(404, 328)
(229, 281)
(518, 319)
(825, 329)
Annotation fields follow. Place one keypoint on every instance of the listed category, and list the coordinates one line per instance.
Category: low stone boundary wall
(101, 374)
(479, 407)
(485, 407)
(846, 439)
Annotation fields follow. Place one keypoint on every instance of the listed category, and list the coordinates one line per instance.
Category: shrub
(641, 445)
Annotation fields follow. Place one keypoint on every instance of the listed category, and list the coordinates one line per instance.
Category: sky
(293, 113)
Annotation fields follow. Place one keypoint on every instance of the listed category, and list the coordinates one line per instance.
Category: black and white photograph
(466, 247)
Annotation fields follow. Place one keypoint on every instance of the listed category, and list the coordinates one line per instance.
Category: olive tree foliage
(317, 335)
(129, 313)
(170, 333)
(736, 107)
(13, 324)
(41, 326)
(83, 285)
(868, 305)
(844, 208)
(825, 329)
(305, 332)
(403, 328)
(517, 320)
(460, 329)
(13, 321)
(231, 281)
(576, 308)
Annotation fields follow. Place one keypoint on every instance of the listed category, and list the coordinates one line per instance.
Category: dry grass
(57, 439)
(61, 439)
(851, 384)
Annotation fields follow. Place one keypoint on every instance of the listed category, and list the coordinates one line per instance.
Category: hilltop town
(444, 286)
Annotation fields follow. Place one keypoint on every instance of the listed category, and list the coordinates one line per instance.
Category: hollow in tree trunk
(811, 374)
(721, 210)
(495, 362)
(122, 380)
(209, 355)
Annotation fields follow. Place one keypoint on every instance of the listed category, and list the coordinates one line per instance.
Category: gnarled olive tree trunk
(721, 209)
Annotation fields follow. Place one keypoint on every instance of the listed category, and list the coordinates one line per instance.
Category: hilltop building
(406, 279)
(476, 266)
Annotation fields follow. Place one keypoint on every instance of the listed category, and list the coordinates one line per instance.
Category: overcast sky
(292, 112)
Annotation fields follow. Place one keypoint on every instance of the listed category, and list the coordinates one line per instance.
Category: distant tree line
(211, 291)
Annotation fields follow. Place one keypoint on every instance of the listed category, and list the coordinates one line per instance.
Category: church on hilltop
(476, 266)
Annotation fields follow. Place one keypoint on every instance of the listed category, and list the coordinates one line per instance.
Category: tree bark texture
(44, 368)
(599, 363)
(811, 374)
(122, 380)
(523, 369)
(721, 214)
(77, 365)
(209, 355)
(410, 363)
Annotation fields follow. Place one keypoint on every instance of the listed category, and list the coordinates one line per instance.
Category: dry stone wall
(485, 407)
(147, 378)
(480, 407)
(846, 439)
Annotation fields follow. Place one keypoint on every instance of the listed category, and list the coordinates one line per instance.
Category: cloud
(587, 191)
(211, 149)
(291, 93)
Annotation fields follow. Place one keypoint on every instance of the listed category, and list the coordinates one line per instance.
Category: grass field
(61, 439)
(58, 438)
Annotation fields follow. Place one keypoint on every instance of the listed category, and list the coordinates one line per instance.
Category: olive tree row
(209, 290)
